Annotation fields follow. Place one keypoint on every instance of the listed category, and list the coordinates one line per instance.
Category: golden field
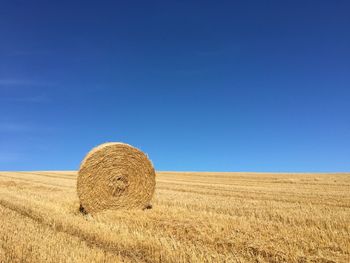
(196, 217)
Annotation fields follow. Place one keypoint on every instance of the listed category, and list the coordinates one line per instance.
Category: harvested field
(196, 217)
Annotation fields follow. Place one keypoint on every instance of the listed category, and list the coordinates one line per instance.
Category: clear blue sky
(198, 85)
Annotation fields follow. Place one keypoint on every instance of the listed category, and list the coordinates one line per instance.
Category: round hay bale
(115, 176)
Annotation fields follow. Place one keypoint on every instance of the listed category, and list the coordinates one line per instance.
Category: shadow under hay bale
(82, 210)
(149, 206)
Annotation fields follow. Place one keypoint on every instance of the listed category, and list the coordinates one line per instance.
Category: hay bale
(115, 176)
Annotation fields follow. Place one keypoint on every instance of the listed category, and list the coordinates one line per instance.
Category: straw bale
(115, 176)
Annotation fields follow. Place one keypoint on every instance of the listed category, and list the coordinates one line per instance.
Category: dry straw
(115, 176)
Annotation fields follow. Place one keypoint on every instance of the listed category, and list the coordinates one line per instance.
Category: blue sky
(198, 85)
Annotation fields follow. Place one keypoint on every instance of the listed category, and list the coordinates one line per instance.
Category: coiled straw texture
(115, 176)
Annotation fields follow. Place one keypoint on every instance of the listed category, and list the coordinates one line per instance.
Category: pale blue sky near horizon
(199, 85)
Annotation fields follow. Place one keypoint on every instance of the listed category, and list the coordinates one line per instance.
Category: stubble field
(196, 217)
